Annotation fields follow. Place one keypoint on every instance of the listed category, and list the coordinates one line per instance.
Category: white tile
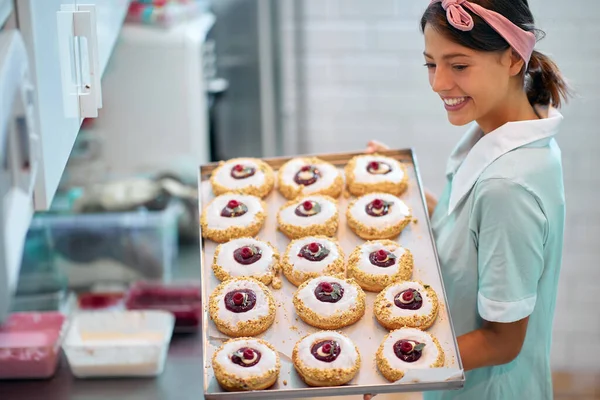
(585, 353)
(364, 9)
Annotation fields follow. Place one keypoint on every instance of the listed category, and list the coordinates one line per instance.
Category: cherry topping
(374, 165)
(408, 295)
(327, 287)
(246, 252)
(382, 255)
(326, 348)
(238, 168)
(378, 204)
(248, 354)
(313, 247)
(307, 205)
(306, 168)
(405, 347)
(238, 299)
(233, 204)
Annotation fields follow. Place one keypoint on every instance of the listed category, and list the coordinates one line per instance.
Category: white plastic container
(119, 343)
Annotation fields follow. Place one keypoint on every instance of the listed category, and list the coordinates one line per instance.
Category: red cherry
(374, 165)
(247, 252)
(248, 354)
(405, 347)
(382, 255)
(306, 168)
(238, 298)
(327, 287)
(238, 168)
(378, 204)
(326, 348)
(233, 204)
(408, 295)
(313, 247)
(308, 205)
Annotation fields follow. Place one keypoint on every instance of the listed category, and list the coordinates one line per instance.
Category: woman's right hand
(374, 146)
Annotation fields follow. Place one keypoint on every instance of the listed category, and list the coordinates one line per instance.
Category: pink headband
(520, 40)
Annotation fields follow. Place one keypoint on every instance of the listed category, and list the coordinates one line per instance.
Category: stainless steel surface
(367, 333)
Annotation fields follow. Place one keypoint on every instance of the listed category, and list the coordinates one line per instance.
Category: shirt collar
(475, 151)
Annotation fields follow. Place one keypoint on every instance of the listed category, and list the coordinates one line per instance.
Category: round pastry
(374, 265)
(329, 302)
(408, 348)
(246, 364)
(304, 176)
(406, 304)
(246, 257)
(326, 358)
(310, 215)
(375, 173)
(242, 307)
(243, 175)
(378, 216)
(311, 257)
(232, 216)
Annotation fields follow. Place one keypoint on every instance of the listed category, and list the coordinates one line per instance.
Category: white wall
(363, 79)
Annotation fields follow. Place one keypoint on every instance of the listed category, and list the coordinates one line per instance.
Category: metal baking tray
(367, 333)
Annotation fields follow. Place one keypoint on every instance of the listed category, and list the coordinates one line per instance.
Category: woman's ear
(516, 63)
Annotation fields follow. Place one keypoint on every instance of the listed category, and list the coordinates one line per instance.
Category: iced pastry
(311, 257)
(309, 216)
(246, 364)
(246, 257)
(242, 307)
(376, 173)
(408, 348)
(329, 302)
(376, 264)
(406, 304)
(306, 176)
(326, 358)
(232, 216)
(378, 216)
(243, 175)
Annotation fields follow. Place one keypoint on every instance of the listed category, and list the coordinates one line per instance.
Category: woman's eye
(429, 65)
(459, 67)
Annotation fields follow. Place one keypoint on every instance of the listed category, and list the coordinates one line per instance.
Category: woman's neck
(514, 108)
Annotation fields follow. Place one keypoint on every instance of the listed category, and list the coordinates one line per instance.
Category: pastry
(232, 216)
(408, 348)
(311, 257)
(246, 364)
(246, 257)
(406, 304)
(375, 173)
(242, 307)
(307, 216)
(376, 264)
(329, 302)
(304, 176)
(378, 216)
(326, 358)
(243, 175)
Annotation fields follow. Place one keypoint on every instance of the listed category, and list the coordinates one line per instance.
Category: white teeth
(454, 101)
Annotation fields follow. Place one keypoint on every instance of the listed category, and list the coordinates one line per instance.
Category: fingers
(368, 396)
(374, 146)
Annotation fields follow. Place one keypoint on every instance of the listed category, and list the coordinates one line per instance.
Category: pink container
(183, 301)
(30, 345)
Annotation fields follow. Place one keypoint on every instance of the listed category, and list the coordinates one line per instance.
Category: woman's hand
(374, 146)
(368, 396)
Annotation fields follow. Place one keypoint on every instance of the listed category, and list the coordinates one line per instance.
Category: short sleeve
(510, 228)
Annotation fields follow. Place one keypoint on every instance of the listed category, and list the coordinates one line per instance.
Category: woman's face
(473, 85)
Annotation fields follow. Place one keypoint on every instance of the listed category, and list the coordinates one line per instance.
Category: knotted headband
(520, 40)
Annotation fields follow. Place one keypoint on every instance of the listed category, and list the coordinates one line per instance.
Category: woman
(499, 223)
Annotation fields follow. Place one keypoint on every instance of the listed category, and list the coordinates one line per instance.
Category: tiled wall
(362, 78)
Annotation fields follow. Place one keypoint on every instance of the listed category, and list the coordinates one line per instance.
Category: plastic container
(100, 300)
(42, 291)
(106, 247)
(30, 345)
(118, 343)
(183, 301)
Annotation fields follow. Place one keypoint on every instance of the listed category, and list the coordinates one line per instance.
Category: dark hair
(543, 81)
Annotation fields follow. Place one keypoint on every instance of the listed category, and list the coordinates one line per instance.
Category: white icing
(261, 267)
(346, 358)
(392, 291)
(302, 264)
(328, 175)
(347, 302)
(260, 309)
(363, 176)
(366, 266)
(224, 178)
(268, 358)
(216, 221)
(328, 210)
(397, 213)
(428, 356)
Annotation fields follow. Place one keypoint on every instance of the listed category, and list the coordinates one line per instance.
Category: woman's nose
(440, 80)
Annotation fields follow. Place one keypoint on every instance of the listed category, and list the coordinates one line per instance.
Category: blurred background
(192, 82)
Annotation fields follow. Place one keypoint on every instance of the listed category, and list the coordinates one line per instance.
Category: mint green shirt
(499, 232)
